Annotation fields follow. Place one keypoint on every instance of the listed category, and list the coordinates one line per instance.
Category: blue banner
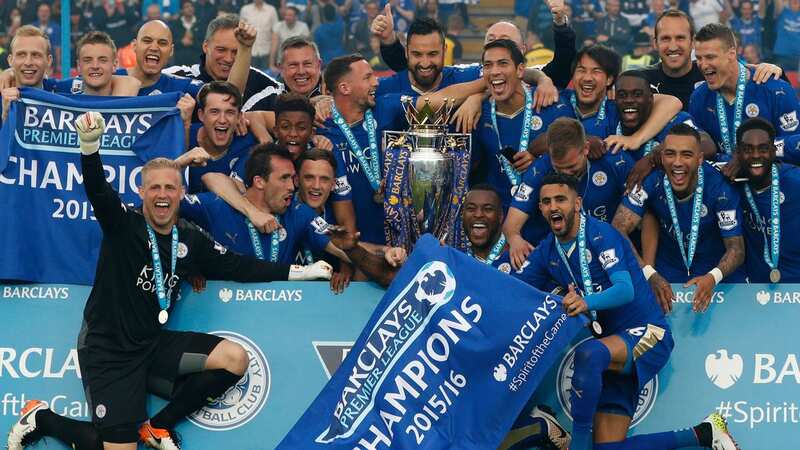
(441, 344)
(49, 233)
(739, 358)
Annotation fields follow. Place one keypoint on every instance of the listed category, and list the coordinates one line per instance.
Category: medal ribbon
(601, 113)
(513, 176)
(494, 253)
(158, 271)
(583, 261)
(651, 144)
(697, 206)
(775, 219)
(728, 134)
(274, 244)
(372, 166)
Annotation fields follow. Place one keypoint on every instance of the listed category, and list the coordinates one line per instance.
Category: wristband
(717, 274)
(648, 271)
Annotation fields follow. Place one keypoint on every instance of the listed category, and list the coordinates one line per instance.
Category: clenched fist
(90, 126)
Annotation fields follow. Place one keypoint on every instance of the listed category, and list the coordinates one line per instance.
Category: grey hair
(297, 42)
(223, 22)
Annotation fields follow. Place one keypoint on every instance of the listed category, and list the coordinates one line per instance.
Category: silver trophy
(426, 179)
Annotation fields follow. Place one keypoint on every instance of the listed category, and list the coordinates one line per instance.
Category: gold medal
(163, 316)
(774, 276)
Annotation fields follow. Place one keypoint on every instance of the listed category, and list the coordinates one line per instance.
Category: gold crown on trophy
(427, 116)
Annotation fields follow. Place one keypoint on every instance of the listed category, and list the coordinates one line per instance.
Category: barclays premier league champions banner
(446, 360)
(48, 226)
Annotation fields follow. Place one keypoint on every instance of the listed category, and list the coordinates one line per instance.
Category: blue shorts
(650, 346)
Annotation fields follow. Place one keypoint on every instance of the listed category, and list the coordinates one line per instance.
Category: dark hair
(259, 163)
(677, 14)
(223, 22)
(486, 187)
(96, 37)
(508, 44)
(565, 134)
(424, 26)
(634, 73)
(315, 154)
(716, 31)
(683, 129)
(295, 9)
(219, 87)
(338, 68)
(561, 178)
(755, 123)
(288, 102)
(605, 57)
(329, 13)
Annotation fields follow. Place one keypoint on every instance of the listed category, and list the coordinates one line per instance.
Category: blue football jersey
(774, 101)
(169, 83)
(488, 143)
(787, 149)
(303, 253)
(400, 84)
(602, 188)
(351, 181)
(300, 226)
(608, 252)
(593, 124)
(720, 217)
(227, 164)
(789, 261)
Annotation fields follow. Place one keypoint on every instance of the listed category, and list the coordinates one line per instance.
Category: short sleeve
(638, 198)
(314, 232)
(525, 199)
(534, 270)
(194, 208)
(786, 109)
(342, 190)
(609, 250)
(728, 211)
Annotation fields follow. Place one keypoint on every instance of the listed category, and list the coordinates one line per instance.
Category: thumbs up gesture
(573, 303)
(383, 26)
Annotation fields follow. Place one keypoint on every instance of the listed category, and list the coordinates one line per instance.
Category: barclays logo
(226, 295)
(763, 297)
(724, 370)
(243, 401)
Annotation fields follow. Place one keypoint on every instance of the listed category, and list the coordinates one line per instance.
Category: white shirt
(284, 32)
(704, 12)
(263, 20)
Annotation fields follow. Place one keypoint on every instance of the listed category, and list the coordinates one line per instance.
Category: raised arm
(230, 191)
(245, 36)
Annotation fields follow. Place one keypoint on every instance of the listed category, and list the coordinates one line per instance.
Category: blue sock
(657, 441)
(591, 359)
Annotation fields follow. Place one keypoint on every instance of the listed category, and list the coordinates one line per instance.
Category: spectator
(540, 20)
(168, 8)
(285, 29)
(447, 7)
(585, 22)
(704, 12)
(359, 40)
(787, 41)
(187, 34)
(328, 35)
(453, 50)
(656, 9)
(263, 17)
(748, 25)
(117, 19)
(152, 12)
(537, 54)
(614, 30)
(642, 55)
(14, 21)
(206, 11)
(52, 30)
(751, 54)
(635, 11)
(403, 13)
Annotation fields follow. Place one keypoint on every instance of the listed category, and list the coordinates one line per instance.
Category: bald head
(153, 47)
(154, 27)
(505, 30)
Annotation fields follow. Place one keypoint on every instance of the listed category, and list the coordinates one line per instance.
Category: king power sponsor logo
(725, 369)
(244, 400)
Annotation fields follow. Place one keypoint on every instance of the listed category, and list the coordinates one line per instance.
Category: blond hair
(161, 163)
(96, 37)
(30, 31)
(563, 135)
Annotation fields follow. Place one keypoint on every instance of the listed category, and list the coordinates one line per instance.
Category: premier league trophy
(426, 177)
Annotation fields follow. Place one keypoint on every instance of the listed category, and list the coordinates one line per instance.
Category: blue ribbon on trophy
(426, 177)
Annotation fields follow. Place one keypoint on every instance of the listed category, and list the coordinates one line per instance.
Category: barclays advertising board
(739, 358)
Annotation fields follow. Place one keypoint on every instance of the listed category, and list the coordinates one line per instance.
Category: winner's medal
(729, 135)
(371, 166)
(772, 249)
(774, 276)
(164, 297)
(377, 196)
(694, 231)
(507, 153)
